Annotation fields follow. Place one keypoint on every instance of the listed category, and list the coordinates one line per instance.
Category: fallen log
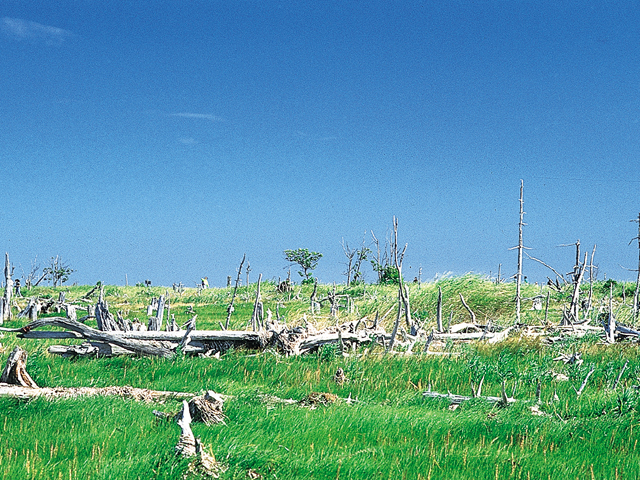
(50, 393)
(89, 333)
(457, 399)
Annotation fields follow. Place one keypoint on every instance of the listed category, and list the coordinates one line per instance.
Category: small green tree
(305, 259)
(58, 271)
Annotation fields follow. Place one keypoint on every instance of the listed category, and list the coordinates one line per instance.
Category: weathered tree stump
(15, 371)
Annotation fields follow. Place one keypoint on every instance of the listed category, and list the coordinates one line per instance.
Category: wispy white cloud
(188, 141)
(20, 29)
(202, 116)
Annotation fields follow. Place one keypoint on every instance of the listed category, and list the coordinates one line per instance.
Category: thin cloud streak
(202, 116)
(20, 29)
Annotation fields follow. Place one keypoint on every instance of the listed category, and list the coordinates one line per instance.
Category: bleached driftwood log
(457, 399)
(138, 394)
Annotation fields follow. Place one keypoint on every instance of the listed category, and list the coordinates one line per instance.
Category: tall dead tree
(520, 249)
(257, 317)
(635, 295)
(403, 297)
(235, 290)
(574, 307)
(8, 288)
(439, 311)
(349, 253)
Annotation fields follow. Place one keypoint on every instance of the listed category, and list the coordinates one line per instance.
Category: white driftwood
(457, 399)
(139, 394)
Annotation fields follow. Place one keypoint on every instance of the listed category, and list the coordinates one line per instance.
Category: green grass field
(392, 431)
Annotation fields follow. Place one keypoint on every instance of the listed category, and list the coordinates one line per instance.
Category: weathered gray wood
(136, 346)
(235, 290)
(457, 399)
(191, 325)
(520, 251)
(473, 315)
(139, 394)
(439, 311)
(257, 316)
(584, 384)
(8, 289)
(15, 371)
(104, 318)
(615, 385)
(574, 306)
(155, 323)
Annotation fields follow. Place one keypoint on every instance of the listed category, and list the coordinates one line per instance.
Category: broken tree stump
(15, 371)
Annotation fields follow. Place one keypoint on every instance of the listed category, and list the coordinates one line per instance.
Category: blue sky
(163, 140)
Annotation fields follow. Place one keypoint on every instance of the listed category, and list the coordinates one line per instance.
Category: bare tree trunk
(235, 290)
(591, 279)
(439, 311)
(104, 318)
(257, 315)
(403, 298)
(8, 288)
(637, 292)
(574, 307)
(520, 250)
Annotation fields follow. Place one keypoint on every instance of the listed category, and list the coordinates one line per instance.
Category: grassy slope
(393, 432)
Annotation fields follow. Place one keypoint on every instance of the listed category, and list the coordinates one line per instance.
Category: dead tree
(8, 288)
(520, 249)
(257, 317)
(104, 318)
(155, 323)
(637, 291)
(574, 307)
(235, 290)
(350, 254)
(439, 311)
(403, 297)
